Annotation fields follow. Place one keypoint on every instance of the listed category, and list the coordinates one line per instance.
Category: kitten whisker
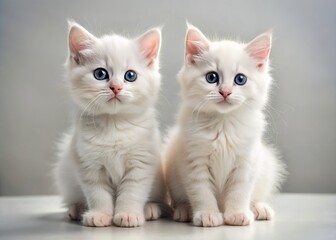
(136, 124)
(127, 94)
(272, 126)
(215, 98)
(164, 98)
(203, 104)
(196, 107)
(95, 107)
(86, 90)
(277, 112)
(92, 102)
(237, 99)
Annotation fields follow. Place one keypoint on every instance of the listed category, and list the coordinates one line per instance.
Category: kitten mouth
(224, 101)
(114, 99)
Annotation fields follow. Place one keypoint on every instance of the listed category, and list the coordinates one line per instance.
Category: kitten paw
(128, 220)
(182, 213)
(262, 211)
(152, 211)
(97, 219)
(207, 219)
(239, 219)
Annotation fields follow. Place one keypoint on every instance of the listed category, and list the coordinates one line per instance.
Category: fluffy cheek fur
(145, 89)
(83, 87)
(205, 97)
(194, 88)
(92, 95)
(258, 83)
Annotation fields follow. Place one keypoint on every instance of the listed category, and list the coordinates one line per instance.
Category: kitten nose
(225, 93)
(116, 88)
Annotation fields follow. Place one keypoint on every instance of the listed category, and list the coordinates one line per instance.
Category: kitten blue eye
(100, 74)
(212, 77)
(240, 79)
(130, 76)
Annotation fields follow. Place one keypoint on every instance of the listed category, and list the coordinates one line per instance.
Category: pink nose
(225, 93)
(116, 88)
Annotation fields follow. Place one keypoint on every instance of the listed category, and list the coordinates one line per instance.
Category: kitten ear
(79, 39)
(259, 49)
(149, 44)
(196, 43)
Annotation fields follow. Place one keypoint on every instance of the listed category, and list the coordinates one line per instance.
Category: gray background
(34, 107)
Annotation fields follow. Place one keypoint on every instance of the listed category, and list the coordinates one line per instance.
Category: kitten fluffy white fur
(218, 168)
(109, 167)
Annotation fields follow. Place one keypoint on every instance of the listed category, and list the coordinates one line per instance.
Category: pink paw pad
(239, 219)
(97, 219)
(182, 213)
(128, 220)
(152, 211)
(262, 211)
(207, 219)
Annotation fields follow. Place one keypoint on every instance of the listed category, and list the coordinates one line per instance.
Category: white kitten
(216, 160)
(109, 163)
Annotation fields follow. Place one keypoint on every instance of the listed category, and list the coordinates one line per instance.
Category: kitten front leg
(152, 211)
(182, 212)
(99, 200)
(133, 193)
(201, 196)
(262, 211)
(238, 198)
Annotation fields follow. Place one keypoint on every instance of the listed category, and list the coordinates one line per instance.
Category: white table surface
(298, 216)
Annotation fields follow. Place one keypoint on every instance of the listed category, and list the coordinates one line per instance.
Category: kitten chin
(218, 168)
(226, 107)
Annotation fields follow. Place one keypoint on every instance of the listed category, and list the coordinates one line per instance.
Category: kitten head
(224, 76)
(113, 74)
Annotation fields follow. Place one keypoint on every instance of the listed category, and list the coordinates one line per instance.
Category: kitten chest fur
(224, 142)
(105, 142)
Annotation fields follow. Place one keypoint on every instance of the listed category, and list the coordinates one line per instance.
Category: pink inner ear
(195, 43)
(261, 54)
(195, 47)
(78, 39)
(150, 45)
(260, 47)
